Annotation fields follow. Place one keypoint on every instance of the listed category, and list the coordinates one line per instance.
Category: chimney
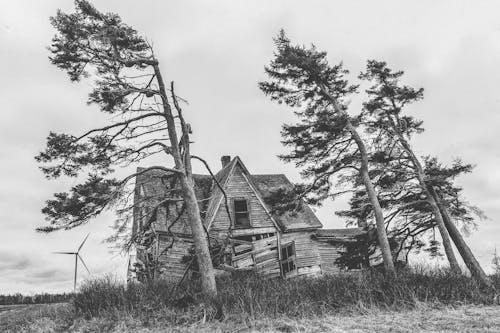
(225, 160)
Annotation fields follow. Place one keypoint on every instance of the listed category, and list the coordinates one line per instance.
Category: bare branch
(123, 123)
(126, 179)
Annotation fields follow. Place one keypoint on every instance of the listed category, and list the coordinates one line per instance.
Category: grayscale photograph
(250, 166)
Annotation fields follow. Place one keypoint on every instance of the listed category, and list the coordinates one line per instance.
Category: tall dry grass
(251, 296)
(246, 300)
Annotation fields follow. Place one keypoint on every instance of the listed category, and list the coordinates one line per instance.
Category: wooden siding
(260, 255)
(253, 231)
(238, 187)
(328, 254)
(172, 266)
(166, 216)
(308, 261)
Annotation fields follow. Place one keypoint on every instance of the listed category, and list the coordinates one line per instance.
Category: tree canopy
(145, 119)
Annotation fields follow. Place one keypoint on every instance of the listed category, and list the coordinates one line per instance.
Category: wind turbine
(77, 256)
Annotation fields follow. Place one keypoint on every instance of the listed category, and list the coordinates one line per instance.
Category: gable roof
(210, 196)
(216, 194)
(302, 219)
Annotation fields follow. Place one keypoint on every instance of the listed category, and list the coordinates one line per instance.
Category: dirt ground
(466, 319)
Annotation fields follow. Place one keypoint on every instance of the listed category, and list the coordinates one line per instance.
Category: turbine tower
(77, 256)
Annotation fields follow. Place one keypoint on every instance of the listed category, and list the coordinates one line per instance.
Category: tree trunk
(445, 236)
(448, 248)
(383, 241)
(205, 266)
(207, 273)
(372, 195)
(464, 250)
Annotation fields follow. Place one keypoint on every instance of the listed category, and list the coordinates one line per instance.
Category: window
(241, 213)
(288, 257)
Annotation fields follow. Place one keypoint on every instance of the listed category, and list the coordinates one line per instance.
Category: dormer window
(241, 213)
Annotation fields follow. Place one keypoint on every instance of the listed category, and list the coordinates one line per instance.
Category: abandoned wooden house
(253, 238)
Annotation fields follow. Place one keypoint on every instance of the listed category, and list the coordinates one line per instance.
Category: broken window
(241, 213)
(264, 236)
(288, 258)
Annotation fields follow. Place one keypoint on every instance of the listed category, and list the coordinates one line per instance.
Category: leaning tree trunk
(206, 269)
(445, 237)
(200, 238)
(383, 241)
(464, 250)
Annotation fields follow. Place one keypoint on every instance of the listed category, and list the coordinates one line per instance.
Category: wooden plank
(244, 262)
(265, 242)
(268, 264)
(266, 256)
(243, 247)
(311, 270)
(239, 241)
(253, 231)
(254, 252)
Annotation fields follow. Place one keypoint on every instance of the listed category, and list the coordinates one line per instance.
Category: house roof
(216, 194)
(339, 235)
(157, 183)
(345, 232)
(302, 219)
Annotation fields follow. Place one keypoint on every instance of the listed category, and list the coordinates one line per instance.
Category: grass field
(424, 318)
(416, 301)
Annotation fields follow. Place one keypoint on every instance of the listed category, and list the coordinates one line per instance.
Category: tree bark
(372, 195)
(207, 273)
(383, 241)
(464, 250)
(445, 237)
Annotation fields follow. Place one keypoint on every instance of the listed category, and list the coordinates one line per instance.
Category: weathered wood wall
(308, 261)
(171, 260)
(260, 255)
(238, 187)
(328, 254)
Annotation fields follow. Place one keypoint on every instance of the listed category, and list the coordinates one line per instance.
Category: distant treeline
(34, 299)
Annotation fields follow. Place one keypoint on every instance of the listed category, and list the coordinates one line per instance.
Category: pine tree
(387, 100)
(409, 219)
(496, 263)
(325, 143)
(128, 86)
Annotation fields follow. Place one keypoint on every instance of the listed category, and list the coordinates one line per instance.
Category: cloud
(46, 274)
(216, 58)
(15, 262)
(30, 269)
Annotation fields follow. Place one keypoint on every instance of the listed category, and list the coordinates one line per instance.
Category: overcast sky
(215, 51)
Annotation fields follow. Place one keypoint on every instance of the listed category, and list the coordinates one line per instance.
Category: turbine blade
(64, 252)
(81, 245)
(83, 262)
